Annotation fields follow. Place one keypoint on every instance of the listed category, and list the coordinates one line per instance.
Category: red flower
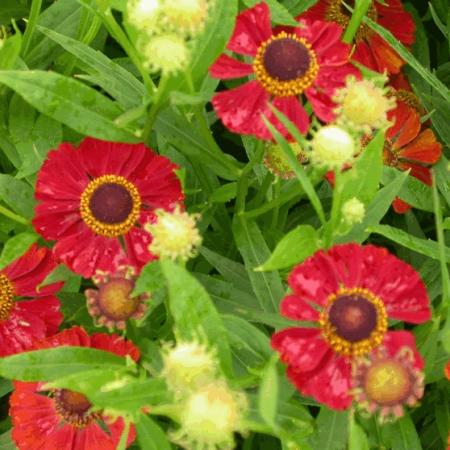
(447, 370)
(371, 50)
(310, 60)
(409, 146)
(61, 419)
(96, 196)
(36, 314)
(350, 291)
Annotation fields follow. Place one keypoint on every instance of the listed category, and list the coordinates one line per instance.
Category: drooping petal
(294, 111)
(302, 348)
(424, 149)
(395, 341)
(322, 104)
(226, 68)
(400, 207)
(251, 30)
(386, 57)
(115, 344)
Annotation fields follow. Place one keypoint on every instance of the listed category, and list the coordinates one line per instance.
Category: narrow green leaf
(64, 99)
(332, 430)
(18, 195)
(253, 248)
(54, 363)
(294, 247)
(16, 247)
(224, 193)
(425, 247)
(150, 435)
(116, 80)
(361, 8)
(402, 434)
(357, 437)
(10, 51)
(193, 310)
(268, 392)
(278, 13)
(12, 9)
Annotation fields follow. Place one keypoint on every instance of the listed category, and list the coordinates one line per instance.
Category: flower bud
(276, 162)
(353, 211)
(332, 147)
(185, 16)
(143, 14)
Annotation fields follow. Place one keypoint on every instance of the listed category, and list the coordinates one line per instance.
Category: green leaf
(6, 442)
(64, 99)
(16, 247)
(423, 246)
(278, 13)
(253, 248)
(360, 182)
(376, 210)
(413, 191)
(149, 279)
(5, 387)
(12, 9)
(116, 80)
(224, 193)
(402, 434)
(192, 309)
(294, 247)
(332, 430)
(268, 392)
(18, 195)
(357, 437)
(54, 363)
(150, 435)
(10, 51)
(116, 389)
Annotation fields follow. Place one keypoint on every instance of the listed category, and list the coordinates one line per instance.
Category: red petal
(397, 284)
(137, 242)
(295, 308)
(394, 18)
(115, 344)
(252, 29)
(394, 341)
(75, 336)
(409, 129)
(85, 252)
(240, 109)
(302, 348)
(322, 104)
(421, 173)
(329, 384)
(400, 207)
(387, 58)
(364, 55)
(294, 111)
(424, 149)
(226, 68)
(323, 36)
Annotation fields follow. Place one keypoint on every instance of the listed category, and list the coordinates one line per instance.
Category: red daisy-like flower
(350, 291)
(286, 63)
(62, 419)
(371, 50)
(96, 197)
(410, 146)
(26, 313)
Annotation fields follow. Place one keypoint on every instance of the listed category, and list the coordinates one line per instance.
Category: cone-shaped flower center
(285, 65)
(115, 300)
(73, 407)
(337, 12)
(6, 297)
(354, 321)
(110, 205)
(387, 382)
(286, 59)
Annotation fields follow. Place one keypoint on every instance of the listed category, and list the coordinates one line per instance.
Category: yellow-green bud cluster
(363, 106)
(166, 28)
(353, 211)
(174, 234)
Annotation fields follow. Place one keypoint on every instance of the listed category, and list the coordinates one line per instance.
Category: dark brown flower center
(115, 300)
(6, 297)
(73, 407)
(353, 317)
(286, 59)
(111, 203)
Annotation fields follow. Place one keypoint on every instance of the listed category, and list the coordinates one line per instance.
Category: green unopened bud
(276, 162)
(353, 211)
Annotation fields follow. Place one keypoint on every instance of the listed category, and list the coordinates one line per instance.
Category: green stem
(124, 438)
(31, 25)
(118, 34)
(335, 209)
(441, 245)
(204, 128)
(242, 186)
(358, 12)
(154, 109)
(6, 212)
